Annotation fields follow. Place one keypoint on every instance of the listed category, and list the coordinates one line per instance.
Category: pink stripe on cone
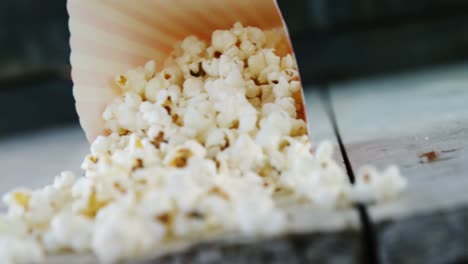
(88, 16)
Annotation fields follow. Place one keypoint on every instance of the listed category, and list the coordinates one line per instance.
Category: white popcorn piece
(189, 224)
(192, 87)
(161, 198)
(83, 187)
(285, 104)
(374, 186)
(231, 67)
(69, 231)
(150, 69)
(222, 40)
(17, 201)
(324, 151)
(257, 63)
(193, 46)
(123, 114)
(64, 181)
(120, 233)
(155, 115)
(12, 227)
(133, 80)
(216, 137)
(154, 86)
(266, 217)
(15, 245)
(288, 62)
(198, 119)
(245, 155)
(15, 250)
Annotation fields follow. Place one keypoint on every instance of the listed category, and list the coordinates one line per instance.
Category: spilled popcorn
(209, 142)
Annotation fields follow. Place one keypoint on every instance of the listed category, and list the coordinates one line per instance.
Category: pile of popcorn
(209, 142)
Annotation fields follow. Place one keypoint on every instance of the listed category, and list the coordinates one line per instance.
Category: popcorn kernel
(22, 199)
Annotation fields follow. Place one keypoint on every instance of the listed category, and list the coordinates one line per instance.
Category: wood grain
(394, 120)
(34, 159)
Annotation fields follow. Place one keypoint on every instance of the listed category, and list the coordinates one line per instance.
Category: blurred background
(335, 40)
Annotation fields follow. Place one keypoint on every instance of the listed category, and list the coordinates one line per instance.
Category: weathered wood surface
(394, 120)
(33, 160)
(315, 236)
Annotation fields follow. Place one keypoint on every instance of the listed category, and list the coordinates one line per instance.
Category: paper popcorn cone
(109, 37)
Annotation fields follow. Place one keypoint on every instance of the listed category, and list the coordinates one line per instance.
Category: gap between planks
(369, 242)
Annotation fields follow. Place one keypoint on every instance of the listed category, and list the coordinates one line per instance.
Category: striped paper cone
(109, 37)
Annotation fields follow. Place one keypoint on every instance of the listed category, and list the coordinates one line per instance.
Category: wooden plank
(313, 236)
(33, 159)
(394, 120)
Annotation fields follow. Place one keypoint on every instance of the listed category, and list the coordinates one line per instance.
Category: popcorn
(285, 104)
(372, 186)
(250, 188)
(17, 201)
(231, 67)
(245, 155)
(211, 67)
(150, 69)
(199, 119)
(121, 233)
(69, 231)
(123, 114)
(193, 46)
(189, 224)
(222, 40)
(14, 250)
(257, 63)
(64, 181)
(161, 198)
(154, 114)
(154, 86)
(15, 244)
(204, 144)
(133, 80)
(192, 87)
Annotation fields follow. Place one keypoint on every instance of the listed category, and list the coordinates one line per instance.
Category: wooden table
(381, 121)
(396, 120)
